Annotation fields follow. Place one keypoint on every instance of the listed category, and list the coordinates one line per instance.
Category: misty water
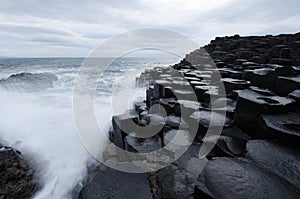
(39, 121)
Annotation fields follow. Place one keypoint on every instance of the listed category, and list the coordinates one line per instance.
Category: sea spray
(41, 125)
(49, 132)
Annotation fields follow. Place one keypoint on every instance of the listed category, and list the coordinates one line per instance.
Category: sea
(36, 114)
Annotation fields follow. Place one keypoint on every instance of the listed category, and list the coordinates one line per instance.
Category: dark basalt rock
(183, 64)
(226, 146)
(208, 119)
(174, 182)
(230, 73)
(176, 122)
(197, 83)
(201, 191)
(140, 107)
(262, 101)
(286, 85)
(259, 77)
(234, 84)
(180, 85)
(168, 92)
(267, 77)
(201, 90)
(239, 178)
(185, 95)
(149, 96)
(236, 132)
(138, 145)
(282, 160)
(122, 124)
(16, 176)
(190, 79)
(295, 95)
(223, 105)
(169, 105)
(159, 85)
(262, 91)
(185, 108)
(281, 61)
(176, 142)
(284, 127)
(251, 104)
(121, 185)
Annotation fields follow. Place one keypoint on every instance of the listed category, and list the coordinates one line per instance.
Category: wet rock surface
(16, 176)
(222, 111)
(239, 178)
(110, 183)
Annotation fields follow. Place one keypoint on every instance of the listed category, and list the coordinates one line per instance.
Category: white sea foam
(41, 124)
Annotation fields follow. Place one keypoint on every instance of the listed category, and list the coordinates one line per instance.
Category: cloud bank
(72, 28)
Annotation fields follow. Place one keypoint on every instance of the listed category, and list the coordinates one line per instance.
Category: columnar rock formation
(257, 154)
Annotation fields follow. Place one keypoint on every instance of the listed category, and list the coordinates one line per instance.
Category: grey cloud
(45, 34)
(75, 25)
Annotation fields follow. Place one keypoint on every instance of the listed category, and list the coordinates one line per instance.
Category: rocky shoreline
(17, 178)
(257, 154)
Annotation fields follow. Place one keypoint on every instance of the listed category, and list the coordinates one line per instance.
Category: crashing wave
(28, 81)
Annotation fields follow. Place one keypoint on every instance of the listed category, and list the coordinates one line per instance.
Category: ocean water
(37, 119)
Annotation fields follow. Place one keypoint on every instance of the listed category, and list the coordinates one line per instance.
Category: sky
(73, 28)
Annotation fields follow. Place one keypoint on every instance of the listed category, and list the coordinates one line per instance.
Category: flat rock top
(258, 98)
(295, 94)
(287, 123)
(235, 81)
(210, 118)
(110, 183)
(294, 79)
(263, 71)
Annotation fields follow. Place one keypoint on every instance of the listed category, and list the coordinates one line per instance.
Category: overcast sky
(72, 28)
